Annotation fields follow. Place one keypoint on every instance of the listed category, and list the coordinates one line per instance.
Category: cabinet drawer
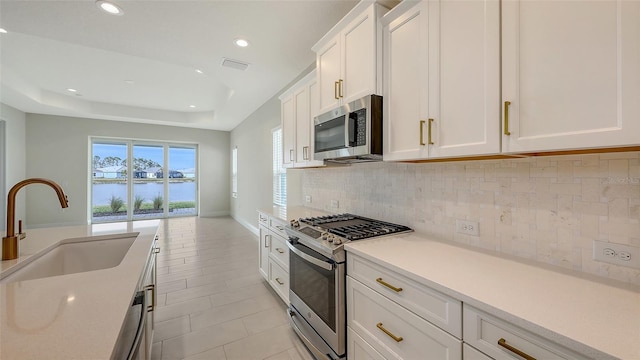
(277, 226)
(484, 332)
(279, 252)
(395, 332)
(279, 280)
(469, 353)
(439, 309)
(263, 219)
(358, 349)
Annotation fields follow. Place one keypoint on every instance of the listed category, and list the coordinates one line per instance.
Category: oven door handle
(323, 264)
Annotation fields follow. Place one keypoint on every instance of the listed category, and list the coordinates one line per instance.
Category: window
(279, 173)
(133, 180)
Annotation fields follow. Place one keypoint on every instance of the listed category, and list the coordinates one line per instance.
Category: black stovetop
(354, 227)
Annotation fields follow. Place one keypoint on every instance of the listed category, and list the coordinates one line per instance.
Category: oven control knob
(337, 241)
(331, 238)
(325, 235)
(295, 223)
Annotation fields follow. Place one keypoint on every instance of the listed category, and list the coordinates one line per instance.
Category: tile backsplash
(548, 209)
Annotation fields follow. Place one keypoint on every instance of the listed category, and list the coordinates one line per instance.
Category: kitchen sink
(72, 256)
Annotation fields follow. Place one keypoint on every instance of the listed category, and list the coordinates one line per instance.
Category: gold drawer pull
(396, 289)
(335, 90)
(429, 140)
(396, 338)
(422, 132)
(280, 250)
(279, 281)
(280, 227)
(502, 342)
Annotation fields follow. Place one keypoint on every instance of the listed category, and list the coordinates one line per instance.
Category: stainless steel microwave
(350, 133)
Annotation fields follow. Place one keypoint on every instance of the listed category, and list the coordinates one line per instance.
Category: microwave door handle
(319, 263)
(352, 129)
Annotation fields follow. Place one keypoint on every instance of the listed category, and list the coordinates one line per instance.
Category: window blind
(279, 173)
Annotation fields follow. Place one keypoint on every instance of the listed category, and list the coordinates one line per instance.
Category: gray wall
(58, 148)
(255, 159)
(15, 157)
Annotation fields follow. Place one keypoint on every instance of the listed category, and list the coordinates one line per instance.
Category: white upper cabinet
(348, 57)
(441, 79)
(571, 74)
(299, 105)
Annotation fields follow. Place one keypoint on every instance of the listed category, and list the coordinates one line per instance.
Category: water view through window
(133, 180)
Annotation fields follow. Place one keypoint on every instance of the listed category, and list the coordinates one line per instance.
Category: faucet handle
(20, 234)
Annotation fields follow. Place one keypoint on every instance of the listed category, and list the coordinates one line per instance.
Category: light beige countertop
(291, 212)
(582, 313)
(74, 316)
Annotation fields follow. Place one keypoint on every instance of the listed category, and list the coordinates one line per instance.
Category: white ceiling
(53, 45)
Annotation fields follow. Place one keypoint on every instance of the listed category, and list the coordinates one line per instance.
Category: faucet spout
(10, 243)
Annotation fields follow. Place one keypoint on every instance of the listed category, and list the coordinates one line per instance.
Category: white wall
(254, 141)
(58, 149)
(15, 157)
(544, 209)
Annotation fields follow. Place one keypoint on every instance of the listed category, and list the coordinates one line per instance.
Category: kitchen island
(74, 316)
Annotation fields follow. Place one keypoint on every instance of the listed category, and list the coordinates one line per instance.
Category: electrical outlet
(468, 227)
(617, 254)
(335, 204)
(307, 199)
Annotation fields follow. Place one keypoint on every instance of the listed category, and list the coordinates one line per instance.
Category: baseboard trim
(214, 214)
(247, 225)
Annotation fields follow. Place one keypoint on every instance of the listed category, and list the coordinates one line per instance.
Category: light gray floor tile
(156, 351)
(247, 292)
(172, 286)
(203, 340)
(265, 320)
(171, 328)
(231, 311)
(196, 292)
(214, 354)
(181, 309)
(261, 345)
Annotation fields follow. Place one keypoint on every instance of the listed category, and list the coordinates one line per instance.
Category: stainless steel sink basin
(72, 256)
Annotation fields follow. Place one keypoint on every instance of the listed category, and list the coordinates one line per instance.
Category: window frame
(279, 172)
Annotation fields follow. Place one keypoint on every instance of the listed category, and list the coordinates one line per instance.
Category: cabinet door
(328, 65)
(405, 45)
(359, 57)
(288, 132)
(464, 77)
(263, 259)
(301, 98)
(571, 72)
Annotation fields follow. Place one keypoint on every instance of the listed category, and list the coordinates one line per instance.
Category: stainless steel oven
(317, 276)
(317, 301)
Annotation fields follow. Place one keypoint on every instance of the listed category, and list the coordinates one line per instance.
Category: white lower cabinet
(504, 341)
(469, 353)
(360, 349)
(274, 254)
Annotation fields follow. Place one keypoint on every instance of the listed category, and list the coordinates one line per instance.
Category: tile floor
(212, 302)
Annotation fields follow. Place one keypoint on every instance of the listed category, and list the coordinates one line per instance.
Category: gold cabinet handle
(502, 342)
(340, 88)
(151, 287)
(396, 289)
(305, 153)
(429, 140)
(279, 281)
(421, 132)
(280, 227)
(396, 338)
(280, 250)
(266, 240)
(291, 155)
(506, 117)
(335, 90)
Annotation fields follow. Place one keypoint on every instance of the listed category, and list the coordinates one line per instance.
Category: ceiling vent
(235, 64)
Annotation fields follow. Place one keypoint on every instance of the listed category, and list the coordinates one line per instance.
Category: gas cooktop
(327, 234)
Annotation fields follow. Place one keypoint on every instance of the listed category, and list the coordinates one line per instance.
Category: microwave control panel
(358, 128)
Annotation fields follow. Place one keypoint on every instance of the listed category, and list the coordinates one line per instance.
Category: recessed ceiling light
(130, 82)
(109, 7)
(241, 42)
(192, 106)
(199, 71)
(72, 90)
(3, 31)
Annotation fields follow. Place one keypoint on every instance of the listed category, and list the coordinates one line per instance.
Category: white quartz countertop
(581, 313)
(75, 316)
